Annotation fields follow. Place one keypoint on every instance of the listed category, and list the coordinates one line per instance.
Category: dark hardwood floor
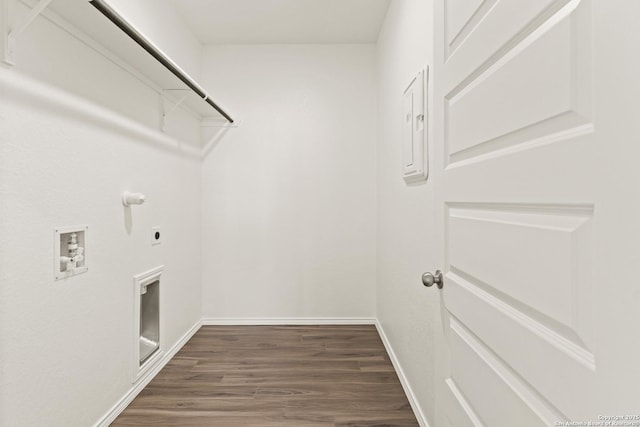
(275, 376)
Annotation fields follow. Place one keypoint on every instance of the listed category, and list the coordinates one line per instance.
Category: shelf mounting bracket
(172, 103)
(9, 35)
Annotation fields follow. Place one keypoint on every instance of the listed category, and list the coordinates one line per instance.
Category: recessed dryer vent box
(70, 251)
(147, 345)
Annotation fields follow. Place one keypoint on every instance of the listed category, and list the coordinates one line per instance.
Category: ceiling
(283, 21)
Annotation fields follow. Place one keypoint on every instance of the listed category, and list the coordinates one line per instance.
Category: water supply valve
(70, 251)
(76, 253)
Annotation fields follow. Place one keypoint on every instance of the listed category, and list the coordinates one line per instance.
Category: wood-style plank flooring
(275, 376)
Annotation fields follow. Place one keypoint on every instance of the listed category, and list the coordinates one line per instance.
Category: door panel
(536, 95)
(518, 191)
(461, 16)
(493, 29)
(531, 173)
(551, 240)
(538, 88)
(459, 413)
(475, 369)
(554, 365)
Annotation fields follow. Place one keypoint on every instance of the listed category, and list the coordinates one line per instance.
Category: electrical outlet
(156, 236)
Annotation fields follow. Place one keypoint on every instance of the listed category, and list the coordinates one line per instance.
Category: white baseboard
(256, 321)
(422, 420)
(136, 388)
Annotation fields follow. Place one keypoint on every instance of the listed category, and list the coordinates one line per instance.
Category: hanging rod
(147, 45)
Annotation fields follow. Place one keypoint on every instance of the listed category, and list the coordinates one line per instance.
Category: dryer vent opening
(149, 320)
(147, 328)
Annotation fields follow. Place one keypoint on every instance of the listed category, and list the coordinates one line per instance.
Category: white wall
(66, 346)
(289, 195)
(407, 311)
(160, 23)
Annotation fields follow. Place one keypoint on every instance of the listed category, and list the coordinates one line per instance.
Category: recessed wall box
(70, 251)
(147, 343)
(415, 165)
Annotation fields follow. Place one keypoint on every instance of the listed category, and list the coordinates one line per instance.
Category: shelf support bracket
(167, 112)
(9, 36)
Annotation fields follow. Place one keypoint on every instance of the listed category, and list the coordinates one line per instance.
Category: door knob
(428, 279)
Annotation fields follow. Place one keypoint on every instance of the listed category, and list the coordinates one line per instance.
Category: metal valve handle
(428, 279)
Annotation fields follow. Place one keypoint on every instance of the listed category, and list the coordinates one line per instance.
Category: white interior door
(538, 171)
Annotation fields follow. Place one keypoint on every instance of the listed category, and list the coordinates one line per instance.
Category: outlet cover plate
(156, 236)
